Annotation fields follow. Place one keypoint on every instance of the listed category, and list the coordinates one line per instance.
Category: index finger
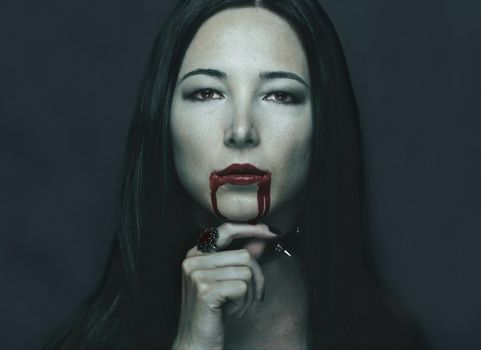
(229, 231)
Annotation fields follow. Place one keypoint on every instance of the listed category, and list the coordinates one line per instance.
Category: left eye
(280, 97)
(205, 95)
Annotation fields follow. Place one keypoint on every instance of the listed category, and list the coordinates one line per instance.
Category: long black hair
(137, 304)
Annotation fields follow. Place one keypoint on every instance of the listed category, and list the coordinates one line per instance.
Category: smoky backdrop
(69, 74)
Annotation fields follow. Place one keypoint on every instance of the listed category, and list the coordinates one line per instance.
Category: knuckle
(242, 286)
(190, 252)
(188, 265)
(196, 276)
(202, 289)
(227, 225)
(244, 255)
(246, 272)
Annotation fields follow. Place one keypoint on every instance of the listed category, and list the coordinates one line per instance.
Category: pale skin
(228, 108)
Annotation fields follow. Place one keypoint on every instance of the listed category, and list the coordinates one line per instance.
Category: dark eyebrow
(262, 75)
(282, 75)
(210, 72)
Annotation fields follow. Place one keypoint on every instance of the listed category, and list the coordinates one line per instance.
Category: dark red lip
(238, 169)
(239, 174)
(242, 174)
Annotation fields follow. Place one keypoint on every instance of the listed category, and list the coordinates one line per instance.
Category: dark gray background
(69, 73)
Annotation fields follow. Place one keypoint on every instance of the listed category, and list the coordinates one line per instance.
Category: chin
(239, 209)
(239, 216)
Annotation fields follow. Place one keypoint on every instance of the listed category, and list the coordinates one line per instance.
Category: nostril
(250, 142)
(240, 136)
(240, 142)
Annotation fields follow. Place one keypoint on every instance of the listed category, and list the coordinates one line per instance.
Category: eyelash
(294, 99)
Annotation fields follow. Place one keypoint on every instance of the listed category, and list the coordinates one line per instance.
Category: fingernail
(274, 229)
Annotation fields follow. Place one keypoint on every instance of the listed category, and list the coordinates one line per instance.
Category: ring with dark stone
(207, 240)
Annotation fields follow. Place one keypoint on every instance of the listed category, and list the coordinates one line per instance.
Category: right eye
(203, 95)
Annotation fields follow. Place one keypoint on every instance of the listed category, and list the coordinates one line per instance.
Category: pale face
(228, 108)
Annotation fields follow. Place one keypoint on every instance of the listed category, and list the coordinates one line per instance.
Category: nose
(241, 132)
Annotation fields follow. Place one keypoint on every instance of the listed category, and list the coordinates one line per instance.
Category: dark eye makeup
(279, 97)
(283, 97)
(203, 95)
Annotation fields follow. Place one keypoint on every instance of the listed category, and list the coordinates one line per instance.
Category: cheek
(184, 143)
(295, 150)
(194, 130)
(193, 146)
(299, 160)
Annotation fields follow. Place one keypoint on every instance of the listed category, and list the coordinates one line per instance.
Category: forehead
(246, 39)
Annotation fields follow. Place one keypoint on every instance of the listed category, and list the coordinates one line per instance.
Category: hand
(216, 282)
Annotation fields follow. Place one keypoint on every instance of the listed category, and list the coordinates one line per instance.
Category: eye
(281, 97)
(203, 95)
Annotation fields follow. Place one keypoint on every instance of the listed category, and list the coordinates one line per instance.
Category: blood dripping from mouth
(263, 196)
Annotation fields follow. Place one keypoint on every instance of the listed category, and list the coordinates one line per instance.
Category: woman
(246, 133)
